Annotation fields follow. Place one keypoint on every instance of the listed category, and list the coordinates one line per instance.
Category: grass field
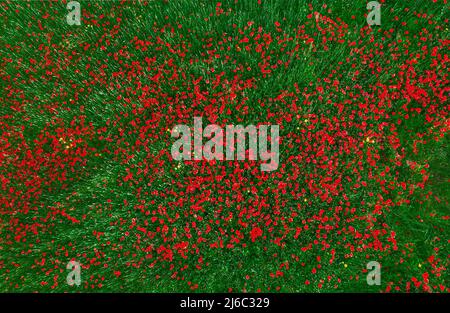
(85, 138)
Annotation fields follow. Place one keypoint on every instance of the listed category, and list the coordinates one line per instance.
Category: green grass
(94, 191)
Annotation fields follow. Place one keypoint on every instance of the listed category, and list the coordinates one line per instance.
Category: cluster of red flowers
(86, 171)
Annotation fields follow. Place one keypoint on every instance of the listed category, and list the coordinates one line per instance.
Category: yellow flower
(369, 140)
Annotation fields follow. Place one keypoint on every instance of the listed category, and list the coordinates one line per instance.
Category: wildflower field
(87, 175)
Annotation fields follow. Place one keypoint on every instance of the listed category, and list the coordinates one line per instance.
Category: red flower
(255, 233)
